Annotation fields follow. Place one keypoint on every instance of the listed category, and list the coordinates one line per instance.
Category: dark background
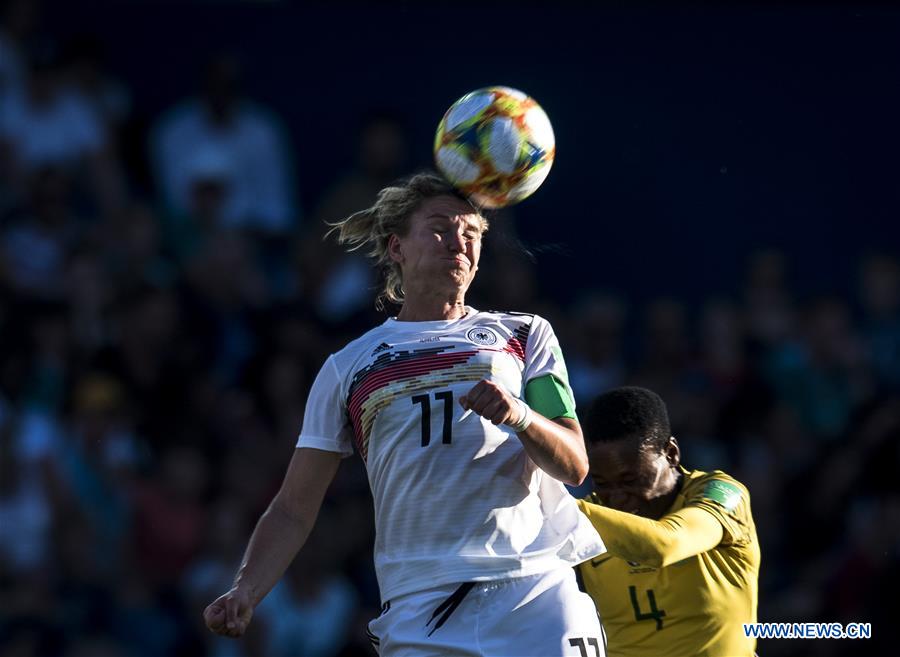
(713, 130)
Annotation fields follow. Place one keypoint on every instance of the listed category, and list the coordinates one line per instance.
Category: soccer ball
(495, 145)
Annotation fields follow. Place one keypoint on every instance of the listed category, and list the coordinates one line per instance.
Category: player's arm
(555, 445)
(280, 533)
(657, 543)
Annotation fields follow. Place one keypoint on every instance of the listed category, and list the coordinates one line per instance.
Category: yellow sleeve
(656, 543)
(728, 501)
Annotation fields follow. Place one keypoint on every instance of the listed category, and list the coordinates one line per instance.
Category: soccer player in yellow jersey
(680, 575)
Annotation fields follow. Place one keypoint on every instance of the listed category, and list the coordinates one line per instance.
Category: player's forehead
(448, 209)
(618, 458)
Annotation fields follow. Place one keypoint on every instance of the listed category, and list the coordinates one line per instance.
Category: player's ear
(395, 251)
(673, 452)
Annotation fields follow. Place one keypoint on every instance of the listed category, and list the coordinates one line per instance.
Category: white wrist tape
(527, 415)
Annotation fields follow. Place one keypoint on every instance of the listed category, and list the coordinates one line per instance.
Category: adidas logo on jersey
(382, 347)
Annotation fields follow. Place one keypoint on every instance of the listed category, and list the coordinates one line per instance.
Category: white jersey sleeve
(325, 422)
(543, 356)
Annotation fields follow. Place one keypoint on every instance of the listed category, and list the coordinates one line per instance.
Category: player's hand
(492, 402)
(229, 614)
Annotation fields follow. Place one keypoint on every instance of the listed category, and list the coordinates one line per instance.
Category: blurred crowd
(159, 341)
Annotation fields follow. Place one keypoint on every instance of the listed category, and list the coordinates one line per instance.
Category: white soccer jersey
(455, 500)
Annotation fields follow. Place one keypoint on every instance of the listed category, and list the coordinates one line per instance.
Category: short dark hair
(628, 412)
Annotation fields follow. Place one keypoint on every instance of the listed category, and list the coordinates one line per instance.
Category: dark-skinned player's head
(633, 456)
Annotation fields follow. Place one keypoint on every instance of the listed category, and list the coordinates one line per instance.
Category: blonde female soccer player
(466, 424)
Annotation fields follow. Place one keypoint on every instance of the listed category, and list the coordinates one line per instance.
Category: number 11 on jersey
(425, 400)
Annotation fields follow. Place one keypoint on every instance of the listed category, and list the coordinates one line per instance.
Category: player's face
(442, 247)
(634, 478)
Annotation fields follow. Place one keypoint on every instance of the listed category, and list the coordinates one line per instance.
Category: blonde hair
(390, 215)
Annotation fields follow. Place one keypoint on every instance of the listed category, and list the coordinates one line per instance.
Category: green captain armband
(550, 397)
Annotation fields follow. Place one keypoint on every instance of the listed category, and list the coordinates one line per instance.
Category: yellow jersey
(694, 607)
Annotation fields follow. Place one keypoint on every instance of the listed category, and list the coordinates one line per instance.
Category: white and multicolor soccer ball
(495, 145)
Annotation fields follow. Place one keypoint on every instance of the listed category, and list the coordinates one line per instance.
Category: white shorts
(539, 616)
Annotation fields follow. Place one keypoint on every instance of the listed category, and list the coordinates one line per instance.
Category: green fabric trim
(721, 492)
(550, 397)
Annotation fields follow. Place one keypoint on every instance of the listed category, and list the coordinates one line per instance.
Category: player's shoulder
(695, 477)
(530, 321)
(714, 486)
(511, 315)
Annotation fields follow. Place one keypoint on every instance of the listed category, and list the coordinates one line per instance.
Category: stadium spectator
(721, 343)
(880, 298)
(85, 70)
(339, 282)
(24, 502)
(47, 123)
(39, 236)
(170, 517)
(209, 177)
(308, 611)
(821, 376)
(382, 154)
(20, 18)
(767, 297)
(134, 250)
(244, 142)
(598, 362)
